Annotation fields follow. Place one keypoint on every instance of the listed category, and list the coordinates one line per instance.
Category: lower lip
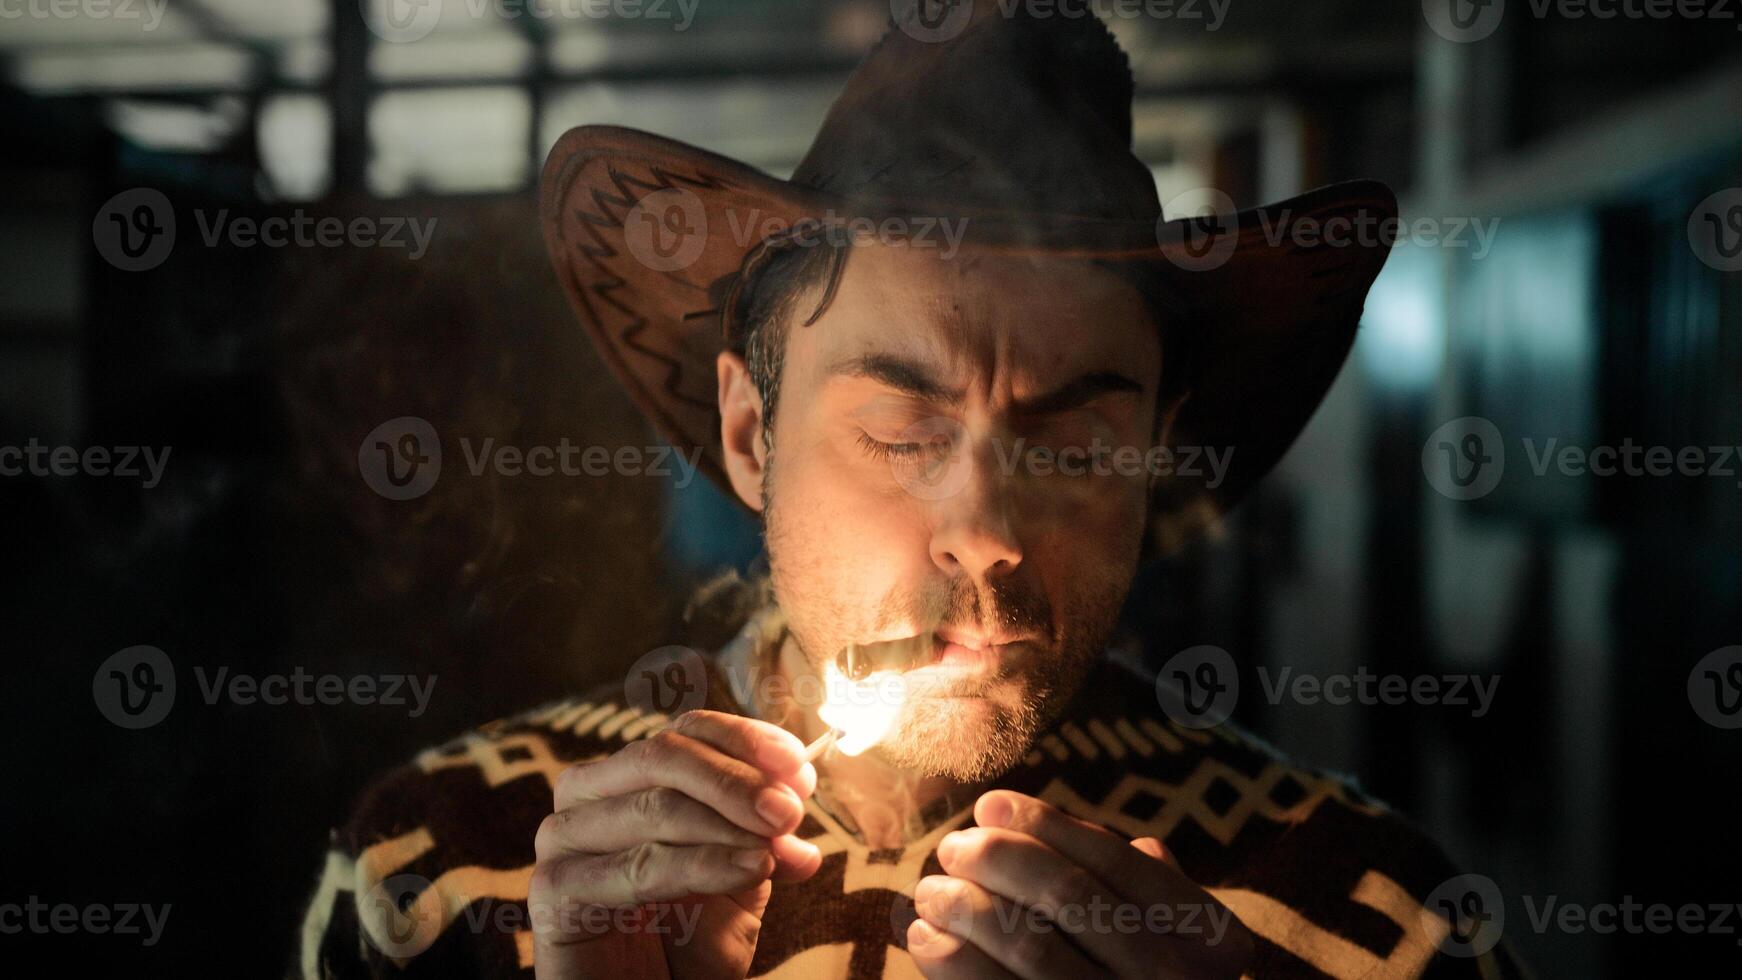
(955, 656)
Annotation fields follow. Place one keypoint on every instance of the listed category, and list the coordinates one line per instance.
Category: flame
(864, 711)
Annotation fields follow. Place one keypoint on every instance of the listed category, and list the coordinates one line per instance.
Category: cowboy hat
(1019, 127)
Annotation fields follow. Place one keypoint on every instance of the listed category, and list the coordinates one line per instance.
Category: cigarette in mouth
(822, 744)
(860, 660)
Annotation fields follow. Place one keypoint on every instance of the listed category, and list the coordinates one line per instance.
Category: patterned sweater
(429, 877)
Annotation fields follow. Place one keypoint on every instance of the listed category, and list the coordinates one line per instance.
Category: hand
(1037, 894)
(689, 825)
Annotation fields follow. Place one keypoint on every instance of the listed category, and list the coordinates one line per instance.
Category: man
(960, 447)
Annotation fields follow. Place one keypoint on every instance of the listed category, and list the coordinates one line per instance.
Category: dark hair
(764, 301)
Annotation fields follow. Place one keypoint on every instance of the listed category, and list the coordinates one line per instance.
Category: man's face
(909, 491)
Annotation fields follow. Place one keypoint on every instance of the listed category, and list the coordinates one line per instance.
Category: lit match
(822, 744)
(858, 713)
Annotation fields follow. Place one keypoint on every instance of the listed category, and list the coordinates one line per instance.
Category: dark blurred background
(1591, 147)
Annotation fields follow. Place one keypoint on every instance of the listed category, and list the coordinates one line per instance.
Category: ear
(741, 442)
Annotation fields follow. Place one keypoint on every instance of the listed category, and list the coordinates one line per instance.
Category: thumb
(719, 939)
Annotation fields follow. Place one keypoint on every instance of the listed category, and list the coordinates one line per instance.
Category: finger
(722, 940)
(770, 748)
(663, 816)
(795, 859)
(1018, 939)
(657, 814)
(563, 889)
(943, 956)
(1156, 849)
(1103, 853)
(733, 788)
(1022, 869)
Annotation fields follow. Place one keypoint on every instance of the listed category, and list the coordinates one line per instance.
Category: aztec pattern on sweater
(429, 877)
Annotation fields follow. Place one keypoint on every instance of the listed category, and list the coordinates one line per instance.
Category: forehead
(1023, 315)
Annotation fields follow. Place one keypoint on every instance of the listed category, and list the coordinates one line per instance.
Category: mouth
(973, 652)
(951, 650)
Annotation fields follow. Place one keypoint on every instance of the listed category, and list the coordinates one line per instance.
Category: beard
(973, 728)
(965, 727)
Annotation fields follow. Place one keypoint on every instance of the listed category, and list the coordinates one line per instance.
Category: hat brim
(1277, 291)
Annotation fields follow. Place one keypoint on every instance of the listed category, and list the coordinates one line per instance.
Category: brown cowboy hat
(1020, 128)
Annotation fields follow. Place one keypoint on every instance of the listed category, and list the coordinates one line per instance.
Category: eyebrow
(907, 377)
(911, 378)
(1079, 392)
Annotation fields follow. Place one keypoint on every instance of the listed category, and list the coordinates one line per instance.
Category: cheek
(1080, 519)
(837, 542)
(1088, 544)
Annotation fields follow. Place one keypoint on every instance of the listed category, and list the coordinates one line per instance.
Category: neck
(885, 804)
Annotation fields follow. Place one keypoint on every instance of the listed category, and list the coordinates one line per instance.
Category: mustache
(1001, 607)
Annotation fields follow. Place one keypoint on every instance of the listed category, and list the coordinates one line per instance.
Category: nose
(974, 531)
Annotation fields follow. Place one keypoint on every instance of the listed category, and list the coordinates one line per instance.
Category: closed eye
(879, 449)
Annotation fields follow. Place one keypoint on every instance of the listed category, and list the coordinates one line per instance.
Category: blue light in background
(1402, 338)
